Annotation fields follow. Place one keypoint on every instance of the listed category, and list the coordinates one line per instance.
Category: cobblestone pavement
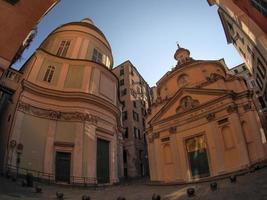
(252, 186)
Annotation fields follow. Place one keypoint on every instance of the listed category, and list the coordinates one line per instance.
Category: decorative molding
(64, 144)
(173, 129)
(210, 116)
(56, 115)
(232, 108)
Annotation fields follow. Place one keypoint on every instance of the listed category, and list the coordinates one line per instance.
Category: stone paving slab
(252, 186)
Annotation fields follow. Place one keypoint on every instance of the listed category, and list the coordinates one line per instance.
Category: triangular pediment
(187, 99)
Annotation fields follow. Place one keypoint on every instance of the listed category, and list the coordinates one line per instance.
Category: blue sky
(146, 31)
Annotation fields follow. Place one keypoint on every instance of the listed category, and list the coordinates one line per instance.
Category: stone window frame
(63, 48)
(50, 71)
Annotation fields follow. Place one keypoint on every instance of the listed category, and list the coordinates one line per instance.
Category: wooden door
(102, 161)
(63, 166)
(198, 157)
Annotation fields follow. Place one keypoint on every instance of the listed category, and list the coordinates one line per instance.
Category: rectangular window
(123, 92)
(97, 56)
(261, 6)
(259, 81)
(261, 69)
(13, 2)
(124, 156)
(262, 103)
(126, 133)
(124, 115)
(122, 72)
(139, 134)
(135, 132)
(135, 116)
(123, 104)
(63, 48)
(134, 104)
(121, 82)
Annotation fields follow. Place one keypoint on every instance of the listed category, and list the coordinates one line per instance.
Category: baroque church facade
(64, 109)
(202, 123)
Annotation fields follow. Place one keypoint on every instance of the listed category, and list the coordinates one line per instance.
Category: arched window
(182, 80)
(49, 74)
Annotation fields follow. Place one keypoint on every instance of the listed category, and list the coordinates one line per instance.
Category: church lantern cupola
(182, 55)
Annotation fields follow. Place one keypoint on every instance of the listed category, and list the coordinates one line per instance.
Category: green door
(102, 161)
(63, 166)
(198, 157)
(199, 163)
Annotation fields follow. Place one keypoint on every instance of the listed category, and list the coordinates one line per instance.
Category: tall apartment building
(18, 19)
(243, 71)
(134, 95)
(245, 26)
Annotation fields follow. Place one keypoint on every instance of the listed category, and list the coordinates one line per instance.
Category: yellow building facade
(65, 110)
(202, 123)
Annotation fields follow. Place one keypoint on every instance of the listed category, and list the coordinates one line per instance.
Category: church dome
(80, 40)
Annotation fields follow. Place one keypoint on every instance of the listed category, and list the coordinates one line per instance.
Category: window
(261, 69)
(242, 52)
(236, 71)
(261, 6)
(122, 72)
(132, 73)
(182, 80)
(134, 104)
(49, 74)
(262, 103)
(124, 92)
(135, 116)
(124, 156)
(13, 2)
(121, 82)
(123, 104)
(230, 26)
(97, 56)
(135, 132)
(63, 48)
(259, 81)
(139, 134)
(124, 115)
(244, 68)
(126, 133)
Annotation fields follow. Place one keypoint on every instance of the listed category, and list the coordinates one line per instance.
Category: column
(89, 150)
(239, 140)
(49, 147)
(158, 156)
(176, 159)
(78, 150)
(213, 132)
(15, 135)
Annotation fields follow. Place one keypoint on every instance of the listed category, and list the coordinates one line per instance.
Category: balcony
(10, 80)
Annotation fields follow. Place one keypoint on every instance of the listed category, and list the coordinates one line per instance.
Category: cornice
(70, 96)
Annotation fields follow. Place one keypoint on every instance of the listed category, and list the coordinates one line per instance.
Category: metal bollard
(190, 192)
